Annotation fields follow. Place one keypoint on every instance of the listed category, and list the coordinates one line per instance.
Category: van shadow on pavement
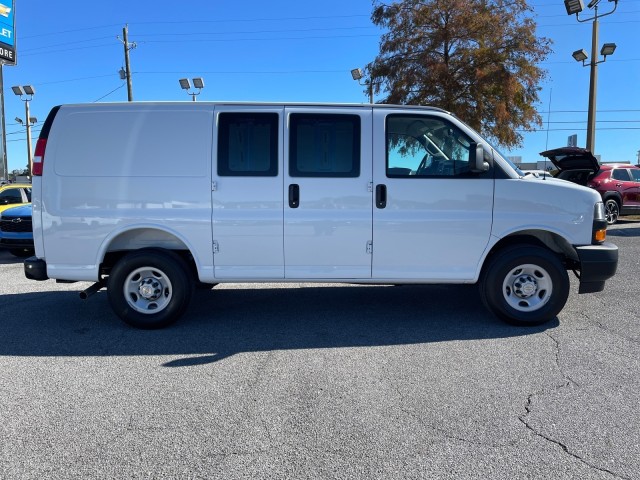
(226, 321)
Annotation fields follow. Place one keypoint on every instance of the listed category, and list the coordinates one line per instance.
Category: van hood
(572, 158)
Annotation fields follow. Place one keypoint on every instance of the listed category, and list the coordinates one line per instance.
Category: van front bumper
(35, 269)
(598, 263)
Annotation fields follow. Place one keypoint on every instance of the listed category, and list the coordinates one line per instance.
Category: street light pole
(593, 86)
(575, 7)
(28, 123)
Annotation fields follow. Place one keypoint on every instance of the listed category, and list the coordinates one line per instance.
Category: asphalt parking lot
(336, 381)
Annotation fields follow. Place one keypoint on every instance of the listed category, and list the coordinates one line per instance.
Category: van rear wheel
(524, 285)
(150, 288)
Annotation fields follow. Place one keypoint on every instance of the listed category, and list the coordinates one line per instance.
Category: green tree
(475, 58)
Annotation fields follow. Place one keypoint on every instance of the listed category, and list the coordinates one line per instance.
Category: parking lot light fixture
(573, 6)
(198, 83)
(357, 75)
(608, 49)
(580, 55)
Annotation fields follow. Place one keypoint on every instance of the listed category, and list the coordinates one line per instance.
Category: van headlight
(599, 224)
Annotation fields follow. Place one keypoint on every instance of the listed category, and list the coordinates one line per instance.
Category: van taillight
(38, 157)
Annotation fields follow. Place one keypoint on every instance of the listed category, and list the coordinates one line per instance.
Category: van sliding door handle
(381, 196)
(294, 195)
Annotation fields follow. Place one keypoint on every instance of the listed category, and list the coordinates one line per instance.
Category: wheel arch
(612, 194)
(549, 240)
(141, 237)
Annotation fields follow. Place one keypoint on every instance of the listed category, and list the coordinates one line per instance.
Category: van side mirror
(476, 158)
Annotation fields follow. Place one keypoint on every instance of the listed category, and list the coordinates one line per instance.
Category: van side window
(324, 145)
(248, 144)
(425, 146)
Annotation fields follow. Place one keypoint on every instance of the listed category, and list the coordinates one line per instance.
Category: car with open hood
(617, 183)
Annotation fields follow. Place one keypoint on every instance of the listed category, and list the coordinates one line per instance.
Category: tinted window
(635, 173)
(11, 195)
(620, 174)
(248, 144)
(322, 145)
(28, 192)
(424, 146)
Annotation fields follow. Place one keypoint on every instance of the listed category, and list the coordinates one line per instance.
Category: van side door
(247, 199)
(432, 217)
(328, 197)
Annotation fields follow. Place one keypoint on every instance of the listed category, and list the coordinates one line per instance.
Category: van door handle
(381, 195)
(294, 195)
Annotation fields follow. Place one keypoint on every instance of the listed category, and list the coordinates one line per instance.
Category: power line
(106, 95)
(189, 22)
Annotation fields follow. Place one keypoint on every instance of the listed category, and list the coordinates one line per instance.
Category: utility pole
(127, 66)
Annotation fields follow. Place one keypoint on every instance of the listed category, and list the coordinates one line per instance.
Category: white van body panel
(114, 169)
(549, 205)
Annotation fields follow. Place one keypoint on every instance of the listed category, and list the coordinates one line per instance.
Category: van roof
(271, 104)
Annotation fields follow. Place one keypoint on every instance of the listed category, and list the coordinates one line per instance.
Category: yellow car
(14, 194)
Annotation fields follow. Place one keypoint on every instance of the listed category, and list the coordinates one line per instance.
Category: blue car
(16, 231)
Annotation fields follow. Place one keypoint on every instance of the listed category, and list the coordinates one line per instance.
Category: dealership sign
(7, 32)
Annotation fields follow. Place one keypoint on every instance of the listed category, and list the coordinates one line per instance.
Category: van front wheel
(150, 288)
(524, 285)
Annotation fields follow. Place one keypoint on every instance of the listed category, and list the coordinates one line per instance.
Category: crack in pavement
(568, 381)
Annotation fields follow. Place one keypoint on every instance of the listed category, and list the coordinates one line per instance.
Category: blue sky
(290, 51)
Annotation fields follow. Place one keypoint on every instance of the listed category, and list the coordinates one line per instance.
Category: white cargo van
(150, 199)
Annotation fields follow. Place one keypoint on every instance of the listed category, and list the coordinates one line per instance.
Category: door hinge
(214, 186)
(369, 246)
(216, 249)
(370, 187)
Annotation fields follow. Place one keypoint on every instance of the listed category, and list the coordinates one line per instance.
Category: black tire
(22, 252)
(150, 288)
(611, 210)
(524, 285)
